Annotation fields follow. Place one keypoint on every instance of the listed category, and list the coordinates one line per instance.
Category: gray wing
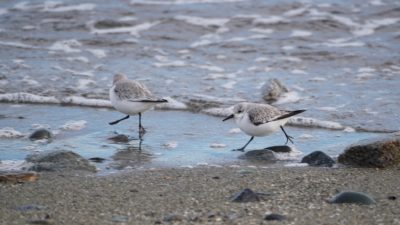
(132, 91)
(263, 114)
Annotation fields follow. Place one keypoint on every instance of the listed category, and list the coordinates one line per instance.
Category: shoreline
(202, 196)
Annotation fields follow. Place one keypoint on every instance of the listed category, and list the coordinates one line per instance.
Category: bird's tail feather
(150, 100)
(289, 114)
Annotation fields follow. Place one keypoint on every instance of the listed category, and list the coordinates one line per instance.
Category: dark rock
(97, 159)
(318, 158)
(392, 197)
(246, 195)
(263, 155)
(59, 161)
(378, 153)
(274, 216)
(280, 148)
(272, 90)
(40, 135)
(120, 138)
(352, 197)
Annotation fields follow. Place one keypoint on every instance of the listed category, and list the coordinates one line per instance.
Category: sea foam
(179, 2)
(9, 132)
(133, 30)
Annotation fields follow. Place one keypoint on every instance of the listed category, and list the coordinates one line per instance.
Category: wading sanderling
(260, 120)
(132, 98)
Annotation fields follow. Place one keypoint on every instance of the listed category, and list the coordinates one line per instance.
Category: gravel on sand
(202, 196)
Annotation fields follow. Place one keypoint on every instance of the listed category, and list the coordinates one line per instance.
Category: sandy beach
(202, 196)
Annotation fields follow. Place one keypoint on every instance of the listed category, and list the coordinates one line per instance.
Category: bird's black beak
(229, 117)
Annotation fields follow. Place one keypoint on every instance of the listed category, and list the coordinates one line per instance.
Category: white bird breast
(249, 128)
(128, 107)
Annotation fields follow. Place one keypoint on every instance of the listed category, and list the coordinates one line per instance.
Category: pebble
(280, 148)
(352, 197)
(319, 159)
(97, 159)
(263, 155)
(40, 135)
(60, 160)
(119, 218)
(246, 195)
(120, 138)
(172, 218)
(29, 207)
(274, 216)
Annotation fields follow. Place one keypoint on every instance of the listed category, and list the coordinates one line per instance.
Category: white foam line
(358, 29)
(68, 46)
(311, 122)
(87, 73)
(204, 22)
(81, 101)
(209, 67)
(9, 132)
(269, 20)
(300, 33)
(80, 7)
(176, 63)
(180, 2)
(218, 99)
(344, 44)
(23, 97)
(133, 30)
(18, 45)
(99, 53)
(296, 12)
(222, 112)
(23, 6)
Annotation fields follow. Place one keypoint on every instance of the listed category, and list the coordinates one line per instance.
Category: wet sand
(202, 196)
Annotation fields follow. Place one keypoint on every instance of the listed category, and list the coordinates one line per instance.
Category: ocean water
(339, 59)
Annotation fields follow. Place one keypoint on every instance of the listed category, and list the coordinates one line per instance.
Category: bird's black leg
(117, 121)
(140, 144)
(288, 137)
(242, 148)
(142, 131)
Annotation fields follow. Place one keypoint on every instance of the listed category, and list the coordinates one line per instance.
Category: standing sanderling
(260, 120)
(131, 97)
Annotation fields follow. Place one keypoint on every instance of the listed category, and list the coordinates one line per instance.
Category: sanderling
(131, 97)
(260, 120)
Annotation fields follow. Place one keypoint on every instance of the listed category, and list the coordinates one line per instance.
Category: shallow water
(340, 59)
(173, 138)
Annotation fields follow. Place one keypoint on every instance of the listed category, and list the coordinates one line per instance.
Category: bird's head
(238, 112)
(118, 77)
